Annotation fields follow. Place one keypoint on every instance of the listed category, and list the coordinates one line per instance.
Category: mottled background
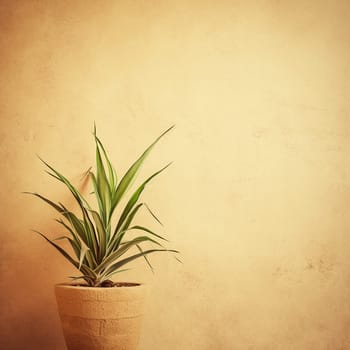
(257, 199)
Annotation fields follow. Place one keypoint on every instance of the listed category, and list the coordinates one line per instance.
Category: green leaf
(54, 205)
(79, 250)
(137, 227)
(145, 257)
(103, 186)
(81, 232)
(131, 173)
(79, 198)
(130, 218)
(121, 263)
(134, 198)
(83, 251)
(70, 216)
(71, 231)
(73, 243)
(111, 258)
(97, 195)
(150, 211)
(91, 235)
(61, 250)
(117, 239)
(101, 234)
(111, 170)
(76, 224)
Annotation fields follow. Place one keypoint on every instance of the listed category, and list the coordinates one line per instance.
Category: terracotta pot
(100, 318)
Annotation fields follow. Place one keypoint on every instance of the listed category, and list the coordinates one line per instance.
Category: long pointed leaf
(101, 234)
(73, 243)
(131, 173)
(137, 227)
(153, 215)
(117, 240)
(134, 198)
(80, 230)
(79, 198)
(54, 205)
(136, 256)
(71, 231)
(61, 250)
(103, 188)
(113, 256)
(145, 257)
(97, 195)
(111, 170)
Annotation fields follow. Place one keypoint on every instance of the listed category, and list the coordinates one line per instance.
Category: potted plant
(97, 313)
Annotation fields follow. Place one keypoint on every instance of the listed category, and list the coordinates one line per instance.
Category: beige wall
(258, 197)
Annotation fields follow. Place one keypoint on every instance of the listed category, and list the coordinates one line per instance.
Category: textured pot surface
(100, 318)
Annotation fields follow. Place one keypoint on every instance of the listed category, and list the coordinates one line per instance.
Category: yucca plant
(98, 246)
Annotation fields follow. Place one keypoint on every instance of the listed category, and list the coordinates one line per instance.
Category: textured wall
(258, 197)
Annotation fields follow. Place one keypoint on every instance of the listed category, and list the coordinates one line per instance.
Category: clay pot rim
(77, 287)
